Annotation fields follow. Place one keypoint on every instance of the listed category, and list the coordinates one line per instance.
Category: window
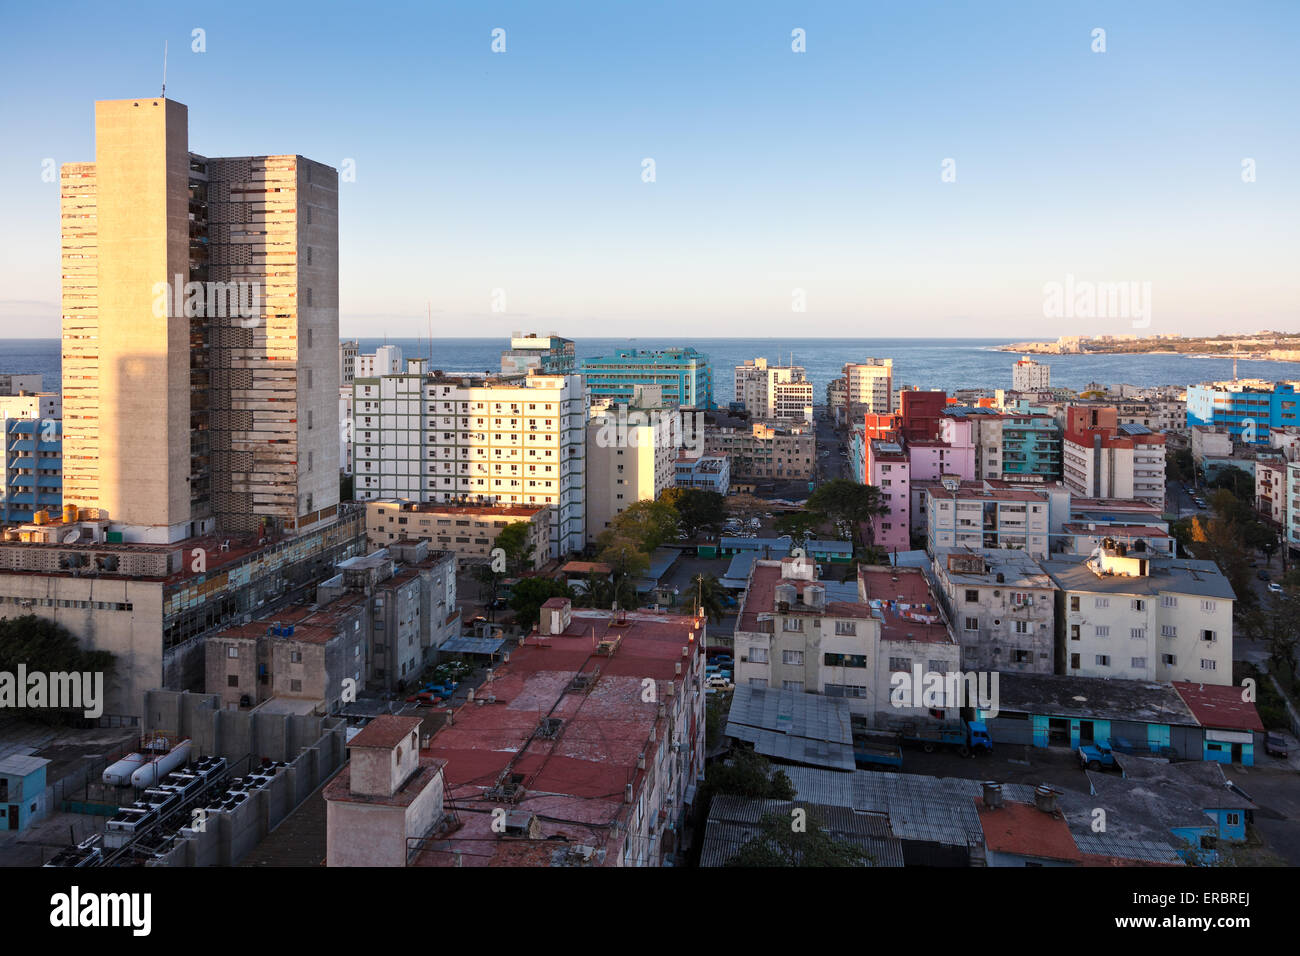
(1209, 636)
(1169, 660)
(758, 682)
(1022, 627)
(1168, 600)
(1168, 630)
(1137, 633)
(1139, 663)
(795, 685)
(1101, 602)
(846, 628)
(295, 685)
(1208, 606)
(758, 655)
(1232, 819)
(295, 657)
(791, 624)
(1074, 632)
(972, 596)
(1074, 662)
(232, 680)
(792, 657)
(972, 624)
(1103, 660)
(1101, 630)
(1207, 664)
(900, 663)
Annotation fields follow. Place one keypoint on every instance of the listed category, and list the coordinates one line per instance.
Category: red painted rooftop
(1219, 706)
(1025, 830)
(905, 599)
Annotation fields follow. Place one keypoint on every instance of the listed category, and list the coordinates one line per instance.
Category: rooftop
(1093, 698)
(1219, 706)
(386, 732)
(1177, 575)
(574, 778)
(900, 598)
(1017, 568)
(1024, 830)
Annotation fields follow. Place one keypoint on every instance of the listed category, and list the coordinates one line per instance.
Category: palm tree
(706, 593)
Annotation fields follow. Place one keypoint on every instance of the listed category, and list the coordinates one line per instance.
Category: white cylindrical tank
(119, 774)
(159, 767)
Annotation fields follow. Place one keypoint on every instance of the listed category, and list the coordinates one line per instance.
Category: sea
(946, 364)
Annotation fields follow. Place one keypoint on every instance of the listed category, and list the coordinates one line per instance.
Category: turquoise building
(22, 790)
(684, 375)
(33, 468)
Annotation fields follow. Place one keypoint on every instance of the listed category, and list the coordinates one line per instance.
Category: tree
(1237, 481)
(707, 593)
(603, 591)
(513, 540)
(1221, 541)
(699, 511)
(43, 646)
(747, 774)
(624, 555)
(1179, 465)
(529, 594)
(842, 500)
(781, 841)
(647, 523)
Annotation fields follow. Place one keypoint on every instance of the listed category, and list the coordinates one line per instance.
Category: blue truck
(968, 738)
(877, 751)
(1097, 755)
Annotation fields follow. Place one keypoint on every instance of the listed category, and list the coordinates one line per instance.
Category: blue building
(22, 790)
(1248, 411)
(33, 468)
(684, 375)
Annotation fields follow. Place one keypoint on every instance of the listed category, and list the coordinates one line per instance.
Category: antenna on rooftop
(164, 87)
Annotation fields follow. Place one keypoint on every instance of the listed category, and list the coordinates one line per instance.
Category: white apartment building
(969, 514)
(774, 391)
(385, 360)
(1002, 605)
(1128, 464)
(433, 437)
(1127, 616)
(1028, 375)
(870, 386)
(630, 457)
(793, 634)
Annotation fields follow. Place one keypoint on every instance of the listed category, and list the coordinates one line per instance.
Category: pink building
(889, 469)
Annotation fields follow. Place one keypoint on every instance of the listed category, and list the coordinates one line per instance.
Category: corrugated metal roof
(790, 725)
(1105, 844)
(472, 645)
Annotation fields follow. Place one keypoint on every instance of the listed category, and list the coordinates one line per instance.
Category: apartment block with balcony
(684, 375)
(869, 387)
(548, 354)
(32, 479)
(1105, 459)
(1247, 409)
(782, 451)
(780, 392)
(979, 516)
(236, 377)
(468, 531)
(889, 469)
(1122, 614)
(483, 440)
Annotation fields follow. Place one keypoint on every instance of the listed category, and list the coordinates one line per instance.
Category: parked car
(719, 683)
(1275, 746)
(1274, 587)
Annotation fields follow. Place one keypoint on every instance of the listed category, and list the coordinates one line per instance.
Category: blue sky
(775, 171)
